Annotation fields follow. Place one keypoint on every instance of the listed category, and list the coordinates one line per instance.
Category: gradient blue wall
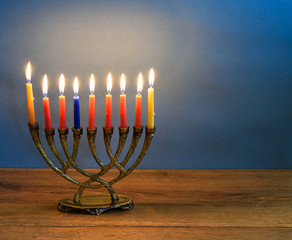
(223, 90)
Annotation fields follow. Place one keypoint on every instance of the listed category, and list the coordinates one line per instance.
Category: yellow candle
(29, 94)
(151, 100)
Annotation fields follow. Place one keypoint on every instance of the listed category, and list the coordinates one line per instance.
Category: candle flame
(151, 77)
(45, 85)
(92, 84)
(62, 84)
(140, 83)
(76, 86)
(123, 83)
(109, 83)
(28, 72)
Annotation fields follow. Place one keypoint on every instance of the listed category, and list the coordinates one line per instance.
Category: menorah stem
(71, 159)
(77, 136)
(105, 184)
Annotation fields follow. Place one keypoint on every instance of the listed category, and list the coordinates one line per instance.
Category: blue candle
(76, 105)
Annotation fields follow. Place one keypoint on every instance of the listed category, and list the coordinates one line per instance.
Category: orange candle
(62, 106)
(139, 102)
(47, 113)
(91, 118)
(108, 103)
(123, 109)
(29, 94)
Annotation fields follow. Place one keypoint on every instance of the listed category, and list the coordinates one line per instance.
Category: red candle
(62, 106)
(47, 113)
(108, 103)
(123, 110)
(139, 102)
(91, 118)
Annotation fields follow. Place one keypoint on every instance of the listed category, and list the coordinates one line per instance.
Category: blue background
(223, 89)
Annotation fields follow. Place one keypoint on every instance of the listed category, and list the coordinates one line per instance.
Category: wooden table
(169, 204)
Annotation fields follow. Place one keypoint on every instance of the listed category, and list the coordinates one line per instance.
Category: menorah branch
(149, 132)
(137, 132)
(107, 140)
(91, 133)
(50, 139)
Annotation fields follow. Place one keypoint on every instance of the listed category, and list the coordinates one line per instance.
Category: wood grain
(169, 204)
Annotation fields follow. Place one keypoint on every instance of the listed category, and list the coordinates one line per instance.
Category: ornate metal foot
(95, 205)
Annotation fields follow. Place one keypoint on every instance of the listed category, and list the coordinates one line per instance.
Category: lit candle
(108, 103)
(76, 105)
(151, 100)
(123, 109)
(46, 103)
(139, 102)
(62, 106)
(91, 118)
(29, 94)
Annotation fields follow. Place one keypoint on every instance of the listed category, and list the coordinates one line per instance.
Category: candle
(108, 103)
(76, 105)
(151, 100)
(62, 106)
(29, 94)
(91, 118)
(123, 110)
(139, 102)
(46, 103)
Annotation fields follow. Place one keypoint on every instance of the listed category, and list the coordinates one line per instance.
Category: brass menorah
(99, 203)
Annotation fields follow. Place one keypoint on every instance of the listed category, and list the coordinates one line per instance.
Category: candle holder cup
(99, 203)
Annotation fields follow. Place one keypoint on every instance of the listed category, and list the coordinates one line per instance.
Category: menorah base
(95, 205)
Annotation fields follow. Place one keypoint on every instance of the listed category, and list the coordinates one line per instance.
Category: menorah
(99, 203)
